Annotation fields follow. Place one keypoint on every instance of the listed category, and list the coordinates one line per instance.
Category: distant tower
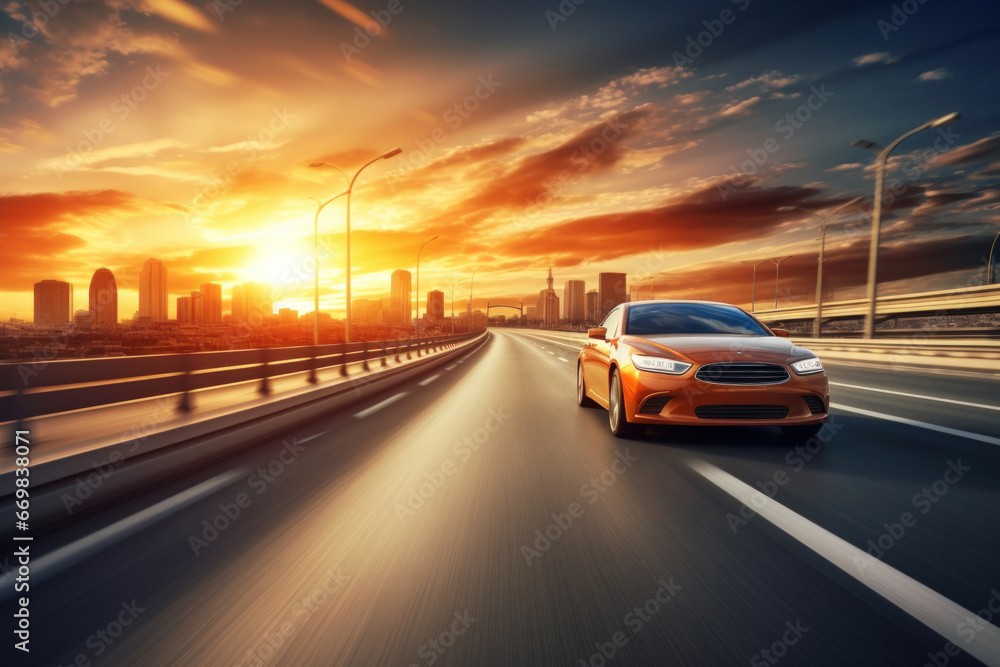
(53, 302)
(551, 279)
(153, 290)
(103, 299)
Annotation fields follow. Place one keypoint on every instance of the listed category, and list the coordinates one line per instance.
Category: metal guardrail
(965, 300)
(75, 384)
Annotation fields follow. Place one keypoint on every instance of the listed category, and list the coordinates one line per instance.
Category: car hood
(711, 348)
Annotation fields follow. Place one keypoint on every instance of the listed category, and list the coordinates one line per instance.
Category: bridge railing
(29, 390)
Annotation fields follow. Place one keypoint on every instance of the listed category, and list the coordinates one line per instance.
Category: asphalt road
(480, 517)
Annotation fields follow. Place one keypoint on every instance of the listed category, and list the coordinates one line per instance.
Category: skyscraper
(153, 290)
(435, 305)
(367, 311)
(53, 302)
(593, 306)
(103, 299)
(574, 300)
(400, 300)
(548, 303)
(197, 307)
(184, 310)
(612, 289)
(212, 295)
(252, 302)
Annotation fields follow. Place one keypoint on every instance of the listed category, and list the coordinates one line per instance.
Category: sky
(669, 142)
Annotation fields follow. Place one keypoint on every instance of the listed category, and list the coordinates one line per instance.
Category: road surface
(478, 516)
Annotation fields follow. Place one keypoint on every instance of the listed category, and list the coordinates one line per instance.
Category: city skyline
(642, 162)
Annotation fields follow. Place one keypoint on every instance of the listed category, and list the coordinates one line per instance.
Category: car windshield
(690, 318)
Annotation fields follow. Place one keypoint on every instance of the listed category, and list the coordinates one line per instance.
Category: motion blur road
(478, 516)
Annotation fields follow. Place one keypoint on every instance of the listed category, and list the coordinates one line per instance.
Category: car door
(598, 355)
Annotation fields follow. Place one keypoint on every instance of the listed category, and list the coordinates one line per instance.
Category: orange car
(699, 362)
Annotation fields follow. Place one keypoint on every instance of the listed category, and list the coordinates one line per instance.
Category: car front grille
(815, 404)
(653, 405)
(742, 373)
(741, 411)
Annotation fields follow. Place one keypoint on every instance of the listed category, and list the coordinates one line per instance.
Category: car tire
(801, 432)
(621, 427)
(582, 399)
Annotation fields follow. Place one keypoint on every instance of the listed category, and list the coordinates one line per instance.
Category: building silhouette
(288, 316)
(53, 302)
(367, 311)
(593, 306)
(547, 310)
(574, 300)
(153, 291)
(252, 302)
(435, 305)
(184, 310)
(103, 299)
(212, 295)
(612, 288)
(400, 298)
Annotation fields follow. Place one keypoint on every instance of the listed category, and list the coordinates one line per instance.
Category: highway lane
(328, 565)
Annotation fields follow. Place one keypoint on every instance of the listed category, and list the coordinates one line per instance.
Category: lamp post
(455, 282)
(350, 188)
(417, 295)
(468, 308)
(753, 284)
(319, 207)
(777, 262)
(823, 221)
(990, 270)
(880, 160)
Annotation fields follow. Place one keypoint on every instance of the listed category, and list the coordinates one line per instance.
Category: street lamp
(823, 220)
(990, 270)
(417, 295)
(471, 286)
(319, 207)
(777, 261)
(753, 285)
(350, 188)
(455, 282)
(880, 160)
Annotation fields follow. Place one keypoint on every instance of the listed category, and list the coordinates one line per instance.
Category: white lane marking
(312, 437)
(424, 383)
(448, 368)
(550, 352)
(563, 359)
(378, 406)
(554, 342)
(64, 557)
(930, 608)
(913, 422)
(923, 396)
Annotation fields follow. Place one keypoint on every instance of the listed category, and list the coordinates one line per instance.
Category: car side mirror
(781, 333)
(599, 333)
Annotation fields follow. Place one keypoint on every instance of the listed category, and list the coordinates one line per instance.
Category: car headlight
(808, 366)
(659, 364)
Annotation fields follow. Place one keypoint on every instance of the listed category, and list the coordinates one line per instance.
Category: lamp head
(394, 152)
(945, 120)
(317, 164)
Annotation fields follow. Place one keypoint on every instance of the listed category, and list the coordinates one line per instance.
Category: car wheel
(621, 427)
(801, 432)
(581, 389)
